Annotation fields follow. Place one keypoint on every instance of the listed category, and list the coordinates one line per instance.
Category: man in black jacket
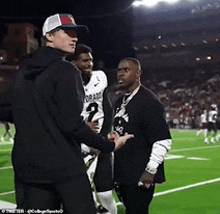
(45, 102)
(140, 163)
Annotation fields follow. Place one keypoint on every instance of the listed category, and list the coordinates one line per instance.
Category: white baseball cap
(62, 21)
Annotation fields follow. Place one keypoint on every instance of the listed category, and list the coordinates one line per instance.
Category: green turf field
(192, 172)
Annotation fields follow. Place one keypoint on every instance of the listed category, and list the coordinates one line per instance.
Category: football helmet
(214, 107)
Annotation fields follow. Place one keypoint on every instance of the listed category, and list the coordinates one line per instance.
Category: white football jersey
(212, 116)
(203, 118)
(93, 103)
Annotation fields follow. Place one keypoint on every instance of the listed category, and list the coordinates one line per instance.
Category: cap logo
(66, 19)
(61, 20)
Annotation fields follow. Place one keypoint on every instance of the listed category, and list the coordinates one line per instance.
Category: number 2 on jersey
(92, 109)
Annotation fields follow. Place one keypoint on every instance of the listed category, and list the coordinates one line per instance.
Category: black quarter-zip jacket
(45, 102)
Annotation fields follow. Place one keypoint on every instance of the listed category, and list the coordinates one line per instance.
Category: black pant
(135, 199)
(103, 177)
(74, 194)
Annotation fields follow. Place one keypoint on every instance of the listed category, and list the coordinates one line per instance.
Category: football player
(212, 117)
(203, 124)
(97, 112)
(7, 132)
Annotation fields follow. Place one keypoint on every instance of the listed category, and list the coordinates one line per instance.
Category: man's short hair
(81, 48)
(134, 60)
(44, 38)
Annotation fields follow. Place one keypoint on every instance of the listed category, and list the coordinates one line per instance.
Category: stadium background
(178, 46)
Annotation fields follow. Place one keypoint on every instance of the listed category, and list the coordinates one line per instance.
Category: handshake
(114, 136)
(119, 140)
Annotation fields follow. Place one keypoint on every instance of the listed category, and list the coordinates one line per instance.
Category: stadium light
(152, 3)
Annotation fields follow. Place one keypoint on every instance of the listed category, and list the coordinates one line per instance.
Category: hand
(146, 180)
(120, 141)
(93, 125)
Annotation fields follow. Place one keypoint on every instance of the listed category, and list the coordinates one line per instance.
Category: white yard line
(6, 143)
(7, 193)
(171, 157)
(195, 148)
(5, 150)
(6, 167)
(197, 158)
(187, 187)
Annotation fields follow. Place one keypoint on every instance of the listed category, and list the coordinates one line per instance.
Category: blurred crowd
(185, 94)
